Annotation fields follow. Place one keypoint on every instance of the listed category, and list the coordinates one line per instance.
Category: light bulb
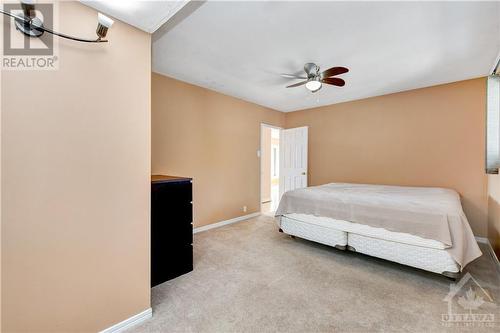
(313, 85)
(104, 20)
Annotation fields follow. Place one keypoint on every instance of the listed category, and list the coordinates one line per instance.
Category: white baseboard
(483, 240)
(226, 222)
(494, 256)
(132, 321)
(492, 253)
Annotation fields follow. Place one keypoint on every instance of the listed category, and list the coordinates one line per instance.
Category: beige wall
(75, 191)
(214, 139)
(425, 137)
(265, 165)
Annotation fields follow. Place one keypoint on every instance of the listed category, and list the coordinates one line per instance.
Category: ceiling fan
(314, 79)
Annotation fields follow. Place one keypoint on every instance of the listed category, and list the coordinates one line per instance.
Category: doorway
(269, 168)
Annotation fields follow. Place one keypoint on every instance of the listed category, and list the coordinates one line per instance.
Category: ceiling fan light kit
(315, 79)
(313, 85)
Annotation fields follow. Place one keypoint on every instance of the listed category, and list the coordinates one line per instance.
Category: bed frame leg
(281, 230)
(452, 275)
(341, 247)
(350, 248)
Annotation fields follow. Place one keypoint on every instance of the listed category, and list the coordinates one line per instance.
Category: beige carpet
(248, 277)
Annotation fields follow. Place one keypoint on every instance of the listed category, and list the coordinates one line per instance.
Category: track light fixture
(31, 25)
(103, 24)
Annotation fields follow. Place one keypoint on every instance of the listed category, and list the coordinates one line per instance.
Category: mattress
(402, 248)
(368, 231)
(317, 233)
(429, 259)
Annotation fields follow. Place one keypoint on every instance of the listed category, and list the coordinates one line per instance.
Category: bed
(420, 227)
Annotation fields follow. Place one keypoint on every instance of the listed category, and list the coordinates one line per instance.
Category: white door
(293, 161)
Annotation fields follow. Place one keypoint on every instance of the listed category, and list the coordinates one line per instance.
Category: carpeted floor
(248, 277)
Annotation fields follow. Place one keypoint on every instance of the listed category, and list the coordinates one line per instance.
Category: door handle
(303, 173)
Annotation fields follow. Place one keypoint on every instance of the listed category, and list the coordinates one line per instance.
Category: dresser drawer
(176, 192)
(171, 213)
(173, 234)
(170, 263)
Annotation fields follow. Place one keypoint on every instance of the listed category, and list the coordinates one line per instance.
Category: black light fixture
(29, 24)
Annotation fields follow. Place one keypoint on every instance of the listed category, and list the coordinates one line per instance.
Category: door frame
(262, 125)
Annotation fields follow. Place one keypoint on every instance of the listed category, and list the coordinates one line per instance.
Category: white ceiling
(143, 14)
(239, 48)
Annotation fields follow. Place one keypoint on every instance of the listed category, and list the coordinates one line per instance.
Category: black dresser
(171, 227)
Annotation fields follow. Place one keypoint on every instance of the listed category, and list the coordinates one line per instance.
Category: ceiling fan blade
(334, 81)
(293, 76)
(296, 84)
(334, 71)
